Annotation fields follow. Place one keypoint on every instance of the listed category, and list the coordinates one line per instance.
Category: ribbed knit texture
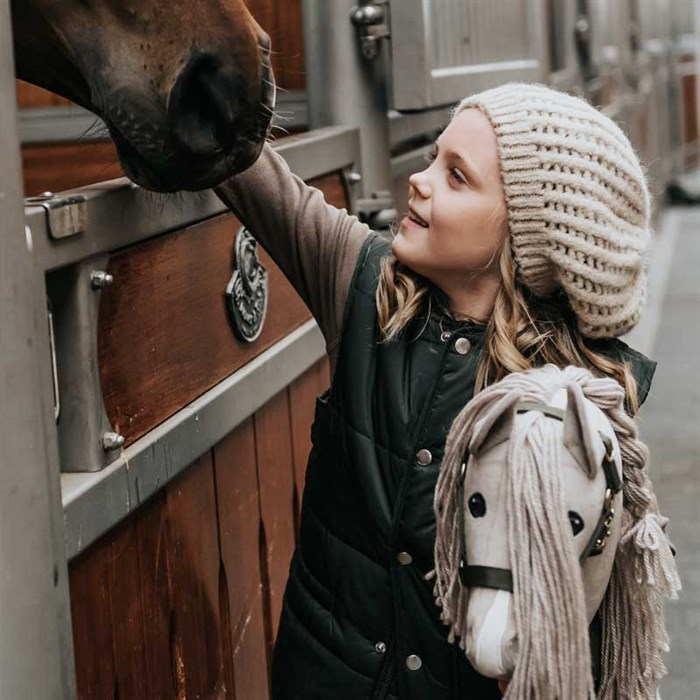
(577, 200)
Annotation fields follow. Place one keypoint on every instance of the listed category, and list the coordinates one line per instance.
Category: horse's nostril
(204, 106)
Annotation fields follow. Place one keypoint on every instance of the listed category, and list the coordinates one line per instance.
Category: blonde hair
(523, 332)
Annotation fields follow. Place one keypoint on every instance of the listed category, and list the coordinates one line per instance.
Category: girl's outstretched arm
(315, 244)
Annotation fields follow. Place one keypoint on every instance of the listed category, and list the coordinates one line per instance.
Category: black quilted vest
(359, 621)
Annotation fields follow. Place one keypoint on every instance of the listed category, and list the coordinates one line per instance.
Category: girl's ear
(495, 426)
(580, 434)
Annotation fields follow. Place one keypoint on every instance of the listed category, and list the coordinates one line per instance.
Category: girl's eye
(457, 176)
(477, 505)
(454, 174)
(576, 522)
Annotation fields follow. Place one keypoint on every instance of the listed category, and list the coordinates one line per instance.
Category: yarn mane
(549, 605)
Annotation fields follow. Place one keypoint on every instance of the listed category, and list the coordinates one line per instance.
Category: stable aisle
(670, 425)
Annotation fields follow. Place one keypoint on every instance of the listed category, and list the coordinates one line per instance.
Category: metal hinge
(66, 216)
(370, 18)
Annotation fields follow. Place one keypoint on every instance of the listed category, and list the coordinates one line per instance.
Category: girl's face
(456, 221)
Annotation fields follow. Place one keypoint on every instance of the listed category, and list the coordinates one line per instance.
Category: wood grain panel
(64, 166)
(153, 540)
(144, 599)
(174, 602)
(89, 582)
(273, 443)
(126, 613)
(282, 20)
(164, 334)
(193, 566)
(239, 532)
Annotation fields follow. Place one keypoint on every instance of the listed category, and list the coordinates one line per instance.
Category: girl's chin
(400, 247)
(407, 254)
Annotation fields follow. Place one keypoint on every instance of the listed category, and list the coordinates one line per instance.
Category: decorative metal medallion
(246, 292)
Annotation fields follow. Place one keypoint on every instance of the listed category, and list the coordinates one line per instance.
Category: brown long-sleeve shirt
(315, 244)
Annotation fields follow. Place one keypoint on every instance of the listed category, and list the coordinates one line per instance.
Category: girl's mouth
(414, 219)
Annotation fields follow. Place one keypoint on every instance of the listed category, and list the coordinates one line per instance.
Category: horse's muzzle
(215, 126)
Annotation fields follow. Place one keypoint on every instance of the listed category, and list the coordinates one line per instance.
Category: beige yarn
(577, 200)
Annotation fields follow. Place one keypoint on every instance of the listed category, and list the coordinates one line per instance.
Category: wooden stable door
(183, 599)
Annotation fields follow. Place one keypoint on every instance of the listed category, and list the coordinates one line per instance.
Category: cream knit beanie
(577, 200)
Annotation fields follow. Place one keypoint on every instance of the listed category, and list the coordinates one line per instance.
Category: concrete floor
(670, 425)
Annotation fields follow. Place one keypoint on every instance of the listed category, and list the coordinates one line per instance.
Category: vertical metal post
(346, 87)
(36, 651)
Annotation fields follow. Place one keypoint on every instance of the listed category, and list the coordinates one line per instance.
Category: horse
(545, 516)
(185, 89)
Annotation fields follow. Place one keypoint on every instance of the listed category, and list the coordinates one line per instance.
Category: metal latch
(370, 17)
(66, 216)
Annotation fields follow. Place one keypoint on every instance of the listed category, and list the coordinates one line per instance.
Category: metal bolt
(582, 26)
(367, 15)
(37, 199)
(380, 647)
(100, 279)
(112, 441)
(354, 177)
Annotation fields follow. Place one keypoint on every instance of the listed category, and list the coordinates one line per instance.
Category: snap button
(404, 558)
(380, 647)
(413, 662)
(445, 336)
(424, 457)
(462, 346)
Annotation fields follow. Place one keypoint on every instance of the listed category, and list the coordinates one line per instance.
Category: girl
(524, 244)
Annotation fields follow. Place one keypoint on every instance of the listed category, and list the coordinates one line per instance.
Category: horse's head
(185, 89)
(537, 470)
(529, 508)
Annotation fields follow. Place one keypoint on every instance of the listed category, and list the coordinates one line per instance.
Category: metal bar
(524, 66)
(86, 439)
(346, 88)
(59, 124)
(411, 25)
(411, 125)
(95, 502)
(120, 213)
(36, 647)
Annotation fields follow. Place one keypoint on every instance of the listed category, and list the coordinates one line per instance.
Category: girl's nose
(420, 183)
